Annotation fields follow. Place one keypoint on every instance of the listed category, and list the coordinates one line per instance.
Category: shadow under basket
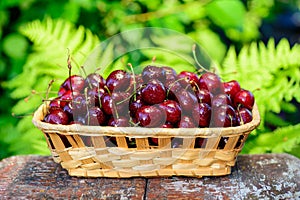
(122, 152)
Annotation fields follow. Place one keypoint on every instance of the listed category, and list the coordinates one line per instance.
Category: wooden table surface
(267, 176)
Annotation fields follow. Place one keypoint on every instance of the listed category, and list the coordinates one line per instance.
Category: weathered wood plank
(268, 176)
(38, 177)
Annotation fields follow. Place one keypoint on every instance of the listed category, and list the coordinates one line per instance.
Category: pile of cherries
(158, 97)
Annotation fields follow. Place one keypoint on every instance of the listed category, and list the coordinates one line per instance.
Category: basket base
(199, 173)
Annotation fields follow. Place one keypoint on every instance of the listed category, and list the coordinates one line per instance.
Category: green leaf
(15, 46)
(227, 14)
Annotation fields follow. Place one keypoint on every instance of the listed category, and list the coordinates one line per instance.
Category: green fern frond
(272, 72)
(52, 41)
(279, 141)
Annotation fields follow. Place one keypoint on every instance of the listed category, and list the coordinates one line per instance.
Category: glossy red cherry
(154, 92)
(76, 81)
(202, 114)
(224, 116)
(95, 117)
(94, 80)
(172, 109)
(204, 96)
(190, 78)
(118, 80)
(231, 88)
(57, 116)
(150, 116)
(118, 122)
(211, 82)
(244, 98)
(186, 122)
(244, 116)
(153, 72)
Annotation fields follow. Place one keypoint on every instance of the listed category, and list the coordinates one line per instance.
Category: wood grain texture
(268, 176)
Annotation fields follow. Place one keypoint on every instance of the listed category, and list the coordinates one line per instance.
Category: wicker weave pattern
(85, 150)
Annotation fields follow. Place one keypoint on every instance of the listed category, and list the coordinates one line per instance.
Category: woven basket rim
(141, 131)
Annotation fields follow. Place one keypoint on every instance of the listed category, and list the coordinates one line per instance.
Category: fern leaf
(273, 70)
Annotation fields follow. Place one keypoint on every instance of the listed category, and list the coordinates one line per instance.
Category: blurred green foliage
(37, 35)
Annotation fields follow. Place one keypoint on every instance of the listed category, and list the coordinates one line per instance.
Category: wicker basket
(85, 150)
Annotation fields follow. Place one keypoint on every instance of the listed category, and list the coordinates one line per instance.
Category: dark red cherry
(204, 96)
(61, 91)
(186, 122)
(202, 114)
(220, 99)
(67, 97)
(134, 106)
(152, 72)
(154, 92)
(224, 116)
(150, 116)
(94, 94)
(54, 104)
(76, 81)
(118, 122)
(118, 80)
(190, 78)
(244, 98)
(211, 82)
(95, 117)
(244, 116)
(80, 105)
(57, 116)
(169, 71)
(94, 80)
(187, 100)
(231, 88)
(116, 104)
(172, 109)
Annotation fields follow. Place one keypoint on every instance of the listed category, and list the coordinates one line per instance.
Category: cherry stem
(87, 109)
(49, 88)
(134, 80)
(70, 71)
(196, 60)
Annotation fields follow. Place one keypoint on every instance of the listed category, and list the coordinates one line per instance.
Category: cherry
(186, 122)
(57, 116)
(202, 114)
(134, 106)
(61, 91)
(244, 98)
(150, 116)
(153, 72)
(231, 88)
(224, 116)
(188, 78)
(118, 122)
(204, 96)
(95, 117)
(54, 104)
(243, 116)
(80, 105)
(118, 80)
(172, 109)
(94, 80)
(220, 99)
(95, 94)
(117, 103)
(76, 81)
(186, 100)
(170, 72)
(67, 97)
(154, 92)
(211, 82)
